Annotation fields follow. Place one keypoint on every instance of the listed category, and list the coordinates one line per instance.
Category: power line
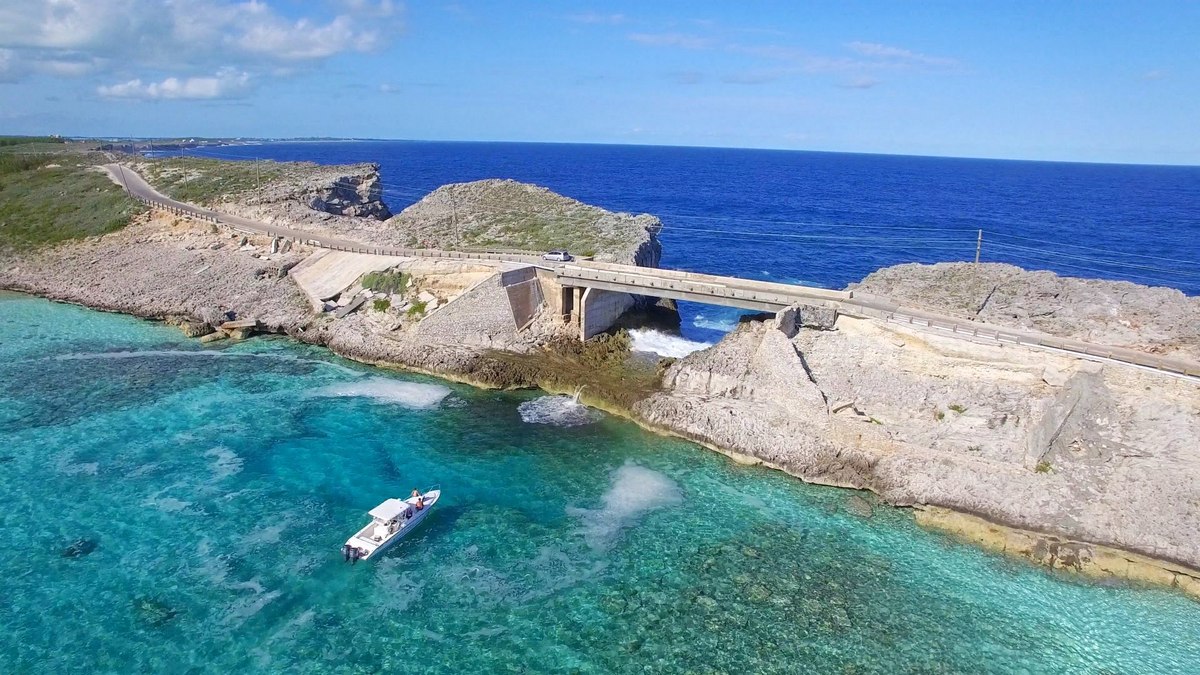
(1152, 280)
(786, 235)
(1100, 261)
(991, 233)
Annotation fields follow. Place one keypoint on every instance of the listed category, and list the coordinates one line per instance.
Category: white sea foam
(636, 490)
(723, 324)
(225, 462)
(559, 411)
(555, 569)
(166, 504)
(64, 463)
(408, 394)
(664, 344)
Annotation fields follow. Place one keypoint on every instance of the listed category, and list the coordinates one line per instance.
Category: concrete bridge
(594, 295)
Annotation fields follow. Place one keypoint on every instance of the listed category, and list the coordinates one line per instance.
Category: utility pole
(978, 246)
(121, 171)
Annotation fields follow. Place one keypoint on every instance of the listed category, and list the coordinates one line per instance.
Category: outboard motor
(348, 552)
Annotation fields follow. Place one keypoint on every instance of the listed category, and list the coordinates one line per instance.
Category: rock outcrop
(1119, 313)
(358, 194)
(160, 267)
(506, 214)
(1102, 454)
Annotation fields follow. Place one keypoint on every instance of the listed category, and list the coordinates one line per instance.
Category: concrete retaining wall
(600, 310)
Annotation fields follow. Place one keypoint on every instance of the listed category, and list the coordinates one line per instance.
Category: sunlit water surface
(172, 508)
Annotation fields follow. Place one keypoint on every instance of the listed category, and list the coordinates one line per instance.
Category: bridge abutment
(600, 309)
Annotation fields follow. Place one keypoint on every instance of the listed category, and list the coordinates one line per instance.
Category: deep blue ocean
(828, 219)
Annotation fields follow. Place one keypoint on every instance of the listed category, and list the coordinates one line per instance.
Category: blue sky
(1096, 81)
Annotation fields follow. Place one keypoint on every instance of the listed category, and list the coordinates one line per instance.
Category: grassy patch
(208, 181)
(385, 282)
(381, 304)
(957, 408)
(503, 215)
(1043, 467)
(26, 140)
(939, 415)
(417, 308)
(40, 205)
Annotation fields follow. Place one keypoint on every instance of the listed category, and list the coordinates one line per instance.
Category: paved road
(703, 288)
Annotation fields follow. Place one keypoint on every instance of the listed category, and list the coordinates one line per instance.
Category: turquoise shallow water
(170, 508)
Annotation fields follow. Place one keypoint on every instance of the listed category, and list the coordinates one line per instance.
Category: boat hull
(373, 549)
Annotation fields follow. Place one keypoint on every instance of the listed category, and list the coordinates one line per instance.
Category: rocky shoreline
(1065, 462)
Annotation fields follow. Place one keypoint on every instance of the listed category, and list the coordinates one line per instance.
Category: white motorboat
(390, 522)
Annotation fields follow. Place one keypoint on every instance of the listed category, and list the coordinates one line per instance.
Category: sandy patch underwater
(173, 512)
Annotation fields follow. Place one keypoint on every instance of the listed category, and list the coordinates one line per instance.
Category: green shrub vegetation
(208, 181)
(417, 308)
(381, 304)
(385, 282)
(957, 408)
(41, 203)
(1043, 467)
(26, 140)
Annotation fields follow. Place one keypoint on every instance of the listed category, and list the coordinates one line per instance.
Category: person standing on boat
(420, 499)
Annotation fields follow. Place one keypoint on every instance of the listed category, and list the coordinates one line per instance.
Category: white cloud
(1154, 75)
(227, 83)
(897, 54)
(754, 77)
(682, 40)
(302, 41)
(598, 18)
(861, 82)
(383, 8)
(786, 61)
(8, 65)
(75, 37)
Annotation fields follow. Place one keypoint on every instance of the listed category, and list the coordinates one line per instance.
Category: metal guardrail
(972, 329)
(735, 289)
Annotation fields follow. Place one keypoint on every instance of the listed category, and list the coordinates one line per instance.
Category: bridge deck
(677, 285)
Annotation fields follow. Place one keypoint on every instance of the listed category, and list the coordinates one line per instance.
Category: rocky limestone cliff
(1102, 454)
(358, 193)
(506, 214)
(338, 199)
(1119, 313)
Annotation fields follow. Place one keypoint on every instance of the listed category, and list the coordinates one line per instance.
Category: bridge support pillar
(600, 309)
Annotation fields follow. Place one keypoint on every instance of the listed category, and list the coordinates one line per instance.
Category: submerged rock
(154, 612)
(859, 507)
(80, 548)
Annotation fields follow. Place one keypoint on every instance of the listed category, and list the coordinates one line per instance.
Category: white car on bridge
(557, 256)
